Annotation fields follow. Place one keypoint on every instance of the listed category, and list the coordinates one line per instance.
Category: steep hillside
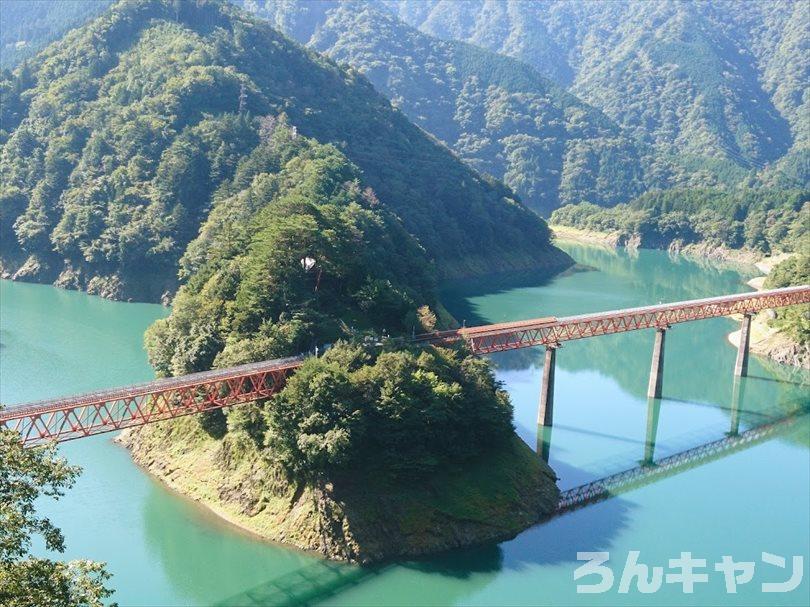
(723, 81)
(369, 437)
(117, 139)
(26, 27)
(496, 113)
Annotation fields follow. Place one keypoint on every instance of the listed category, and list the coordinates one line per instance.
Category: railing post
(741, 366)
(657, 367)
(545, 412)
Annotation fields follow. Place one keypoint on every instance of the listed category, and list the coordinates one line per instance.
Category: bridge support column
(545, 412)
(657, 368)
(653, 412)
(741, 366)
(736, 399)
(544, 441)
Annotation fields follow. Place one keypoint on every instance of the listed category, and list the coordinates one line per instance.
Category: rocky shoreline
(490, 499)
(768, 341)
(615, 240)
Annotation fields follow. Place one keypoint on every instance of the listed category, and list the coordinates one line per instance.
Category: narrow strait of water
(165, 550)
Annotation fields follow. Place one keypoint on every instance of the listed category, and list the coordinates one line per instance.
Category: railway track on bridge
(63, 419)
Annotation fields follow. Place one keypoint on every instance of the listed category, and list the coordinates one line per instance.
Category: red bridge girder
(552, 331)
(109, 410)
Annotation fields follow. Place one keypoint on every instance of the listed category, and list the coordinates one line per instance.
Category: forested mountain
(761, 220)
(723, 81)
(118, 140)
(705, 94)
(496, 113)
(27, 27)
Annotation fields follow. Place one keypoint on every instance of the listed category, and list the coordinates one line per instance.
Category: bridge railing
(105, 411)
(620, 482)
(110, 410)
(552, 331)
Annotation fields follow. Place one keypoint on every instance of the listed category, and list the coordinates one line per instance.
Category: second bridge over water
(74, 417)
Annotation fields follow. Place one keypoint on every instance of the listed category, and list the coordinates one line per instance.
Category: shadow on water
(548, 543)
(309, 580)
(623, 358)
(460, 292)
(304, 586)
(779, 380)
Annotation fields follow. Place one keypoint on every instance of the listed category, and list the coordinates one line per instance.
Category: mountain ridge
(125, 117)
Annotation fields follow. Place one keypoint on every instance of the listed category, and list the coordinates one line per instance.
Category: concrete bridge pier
(544, 441)
(657, 368)
(741, 366)
(736, 399)
(545, 412)
(653, 412)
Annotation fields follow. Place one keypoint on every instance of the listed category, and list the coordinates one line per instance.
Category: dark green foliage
(496, 113)
(252, 294)
(722, 81)
(405, 412)
(26, 27)
(26, 476)
(214, 423)
(119, 136)
(761, 220)
(792, 272)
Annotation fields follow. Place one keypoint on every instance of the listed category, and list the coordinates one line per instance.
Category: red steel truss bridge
(74, 417)
(551, 331)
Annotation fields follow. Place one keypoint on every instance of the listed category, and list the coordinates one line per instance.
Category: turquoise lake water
(165, 550)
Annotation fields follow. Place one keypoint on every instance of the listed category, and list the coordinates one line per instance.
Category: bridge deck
(108, 410)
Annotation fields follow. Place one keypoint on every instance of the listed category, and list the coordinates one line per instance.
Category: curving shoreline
(489, 499)
(765, 341)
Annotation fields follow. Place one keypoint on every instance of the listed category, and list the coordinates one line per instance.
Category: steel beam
(109, 410)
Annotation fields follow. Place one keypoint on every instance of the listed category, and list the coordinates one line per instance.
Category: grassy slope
(491, 498)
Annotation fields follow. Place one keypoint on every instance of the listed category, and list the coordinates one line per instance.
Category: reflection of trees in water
(698, 361)
(694, 355)
(698, 364)
(205, 557)
(661, 276)
(456, 294)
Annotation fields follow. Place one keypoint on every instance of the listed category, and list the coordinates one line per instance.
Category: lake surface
(164, 550)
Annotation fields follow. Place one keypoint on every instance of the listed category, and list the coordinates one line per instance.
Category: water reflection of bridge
(304, 586)
(106, 411)
(650, 470)
(325, 579)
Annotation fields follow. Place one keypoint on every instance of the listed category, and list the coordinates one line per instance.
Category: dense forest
(296, 252)
(795, 321)
(762, 220)
(720, 86)
(676, 99)
(117, 139)
(496, 113)
(27, 27)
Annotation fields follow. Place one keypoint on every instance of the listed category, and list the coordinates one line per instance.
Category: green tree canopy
(27, 475)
